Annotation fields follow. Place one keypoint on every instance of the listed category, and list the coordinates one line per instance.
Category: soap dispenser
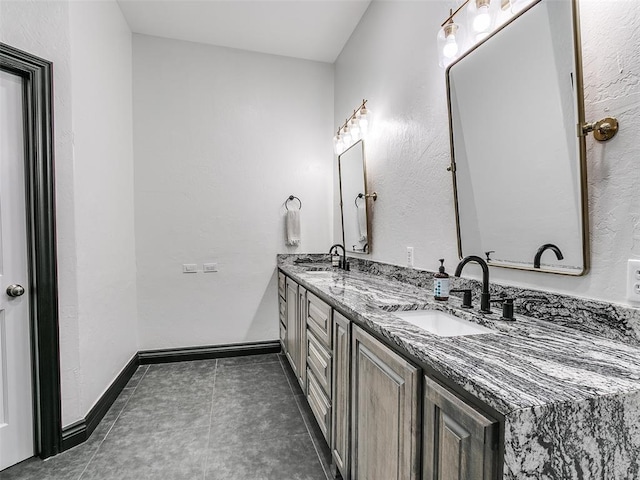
(441, 283)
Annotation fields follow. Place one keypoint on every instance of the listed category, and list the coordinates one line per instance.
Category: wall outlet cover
(209, 267)
(410, 257)
(189, 268)
(633, 280)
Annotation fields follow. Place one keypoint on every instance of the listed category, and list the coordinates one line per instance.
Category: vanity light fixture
(353, 129)
(482, 18)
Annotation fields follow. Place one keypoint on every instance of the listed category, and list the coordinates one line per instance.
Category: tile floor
(240, 418)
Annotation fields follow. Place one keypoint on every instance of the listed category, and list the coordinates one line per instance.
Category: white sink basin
(441, 323)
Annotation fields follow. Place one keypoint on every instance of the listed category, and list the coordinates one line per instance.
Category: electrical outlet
(633, 280)
(209, 267)
(410, 257)
(189, 268)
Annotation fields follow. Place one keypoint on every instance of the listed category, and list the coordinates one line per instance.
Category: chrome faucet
(343, 259)
(541, 250)
(484, 296)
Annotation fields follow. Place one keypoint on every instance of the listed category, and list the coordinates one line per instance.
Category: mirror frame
(582, 148)
(366, 198)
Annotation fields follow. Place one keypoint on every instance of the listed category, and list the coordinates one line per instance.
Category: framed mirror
(518, 162)
(354, 198)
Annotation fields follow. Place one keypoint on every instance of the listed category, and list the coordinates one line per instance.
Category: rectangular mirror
(354, 199)
(518, 163)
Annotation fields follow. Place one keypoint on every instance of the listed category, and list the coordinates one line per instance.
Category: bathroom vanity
(532, 399)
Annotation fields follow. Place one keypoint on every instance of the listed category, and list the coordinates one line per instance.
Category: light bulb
(346, 139)
(337, 144)
(450, 49)
(482, 20)
(363, 121)
(354, 125)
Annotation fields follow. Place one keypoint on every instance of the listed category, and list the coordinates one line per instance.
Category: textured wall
(101, 69)
(391, 60)
(90, 47)
(42, 28)
(222, 137)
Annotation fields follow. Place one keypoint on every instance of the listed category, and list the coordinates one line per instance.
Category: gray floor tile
(247, 360)
(289, 457)
(322, 448)
(159, 427)
(238, 422)
(66, 466)
(167, 410)
(171, 397)
(296, 389)
(137, 455)
(252, 382)
(179, 376)
(111, 416)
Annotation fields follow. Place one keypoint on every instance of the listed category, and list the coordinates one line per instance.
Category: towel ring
(360, 195)
(292, 197)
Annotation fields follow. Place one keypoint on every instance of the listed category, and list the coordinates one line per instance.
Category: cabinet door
(340, 393)
(384, 412)
(301, 321)
(293, 327)
(460, 443)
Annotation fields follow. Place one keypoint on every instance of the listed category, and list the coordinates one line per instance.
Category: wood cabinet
(340, 394)
(385, 394)
(460, 443)
(368, 403)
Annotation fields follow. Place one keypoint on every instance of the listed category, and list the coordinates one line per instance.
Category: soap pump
(441, 283)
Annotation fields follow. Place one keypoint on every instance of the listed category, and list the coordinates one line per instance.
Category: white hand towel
(293, 227)
(361, 211)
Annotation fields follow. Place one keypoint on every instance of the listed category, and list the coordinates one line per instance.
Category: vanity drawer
(319, 361)
(282, 284)
(319, 319)
(319, 404)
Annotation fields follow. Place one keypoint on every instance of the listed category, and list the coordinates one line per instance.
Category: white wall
(391, 60)
(91, 52)
(101, 70)
(222, 137)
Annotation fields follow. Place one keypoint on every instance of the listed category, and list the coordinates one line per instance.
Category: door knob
(15, 290)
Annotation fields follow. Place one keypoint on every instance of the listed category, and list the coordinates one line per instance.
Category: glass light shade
(354, 126)
(346, 137)
(481, 17)
(449, 40)
(338, 146)
(363, 121)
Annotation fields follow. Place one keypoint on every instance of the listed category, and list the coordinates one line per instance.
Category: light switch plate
(209, 267)
(410, 257)
(189, 268)
(633, 280)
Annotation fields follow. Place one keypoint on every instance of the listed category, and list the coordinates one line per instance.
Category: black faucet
(484, 297)
(541, 250)
(343, 260)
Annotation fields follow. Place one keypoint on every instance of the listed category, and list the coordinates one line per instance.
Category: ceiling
(308, 29)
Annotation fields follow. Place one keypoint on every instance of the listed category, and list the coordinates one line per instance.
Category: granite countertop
(525, 364)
